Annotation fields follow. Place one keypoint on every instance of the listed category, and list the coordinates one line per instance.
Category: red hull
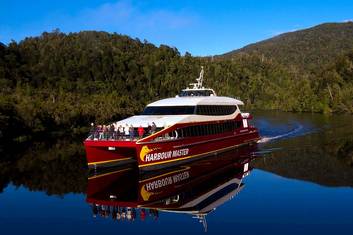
(104, 152)
(151, 155)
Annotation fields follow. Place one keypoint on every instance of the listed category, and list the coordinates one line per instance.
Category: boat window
(209, 129)
(212, 127)
(168, 110)
(215, 110)
(200, 130)
(218, 129)
(211, 110)
(180, 133)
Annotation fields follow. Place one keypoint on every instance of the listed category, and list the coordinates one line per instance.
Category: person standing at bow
(140, 131)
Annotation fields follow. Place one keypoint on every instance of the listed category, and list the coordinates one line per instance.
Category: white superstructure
(189, 99)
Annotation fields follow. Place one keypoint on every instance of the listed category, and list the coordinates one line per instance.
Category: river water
(298, 180)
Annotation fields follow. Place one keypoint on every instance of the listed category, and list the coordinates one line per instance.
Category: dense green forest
(59, 83)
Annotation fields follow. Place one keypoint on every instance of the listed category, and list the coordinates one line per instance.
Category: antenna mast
(199, 81)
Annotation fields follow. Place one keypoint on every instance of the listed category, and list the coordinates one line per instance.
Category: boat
(195, 189)
(195, 124)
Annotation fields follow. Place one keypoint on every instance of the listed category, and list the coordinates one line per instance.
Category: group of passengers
(122, 213)
(120, 132)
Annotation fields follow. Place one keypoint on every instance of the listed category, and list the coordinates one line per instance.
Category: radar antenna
(199, 80)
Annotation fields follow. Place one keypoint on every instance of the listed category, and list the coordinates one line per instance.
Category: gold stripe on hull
(196, 155)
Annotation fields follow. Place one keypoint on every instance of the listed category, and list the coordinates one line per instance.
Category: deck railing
(99, 135)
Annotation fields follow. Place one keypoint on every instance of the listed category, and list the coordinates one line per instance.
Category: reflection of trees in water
(319, 158)
(54, 168)
(345, 152)
(4, 175)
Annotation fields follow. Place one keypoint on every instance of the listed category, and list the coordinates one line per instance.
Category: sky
(195, 26)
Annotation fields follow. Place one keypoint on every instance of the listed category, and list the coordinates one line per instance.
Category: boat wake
(264, 152)
(291, 133)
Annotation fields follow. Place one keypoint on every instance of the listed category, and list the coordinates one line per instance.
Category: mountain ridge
(307, 49)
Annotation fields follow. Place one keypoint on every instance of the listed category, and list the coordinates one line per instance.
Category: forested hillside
(61, 82)
(309, 49)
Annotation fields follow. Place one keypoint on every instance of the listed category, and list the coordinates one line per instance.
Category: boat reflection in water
(196, 188)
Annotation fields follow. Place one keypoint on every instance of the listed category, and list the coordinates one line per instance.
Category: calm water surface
(300, 180)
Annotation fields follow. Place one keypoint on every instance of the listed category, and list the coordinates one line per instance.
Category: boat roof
(197, 100)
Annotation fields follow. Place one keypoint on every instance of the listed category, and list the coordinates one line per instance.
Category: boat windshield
(168, 110)
(196, 93)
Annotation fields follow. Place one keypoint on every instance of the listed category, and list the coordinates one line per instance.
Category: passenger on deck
(105, 132)
(92, 131)
(153, 128)
(100, 131)
(166, 135)
(96, 133)
(148, 129)
(116, 131)
(126, 130)
(141, 131)
(121, 132)
(111, 132)
(131, 132)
